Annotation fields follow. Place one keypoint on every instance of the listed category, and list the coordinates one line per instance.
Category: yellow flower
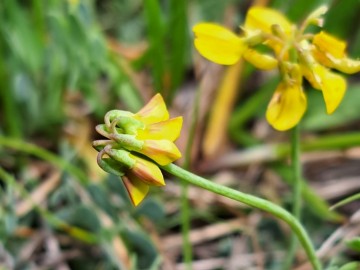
(296, 54)
(218, 44)
(330, 52)
(149, 133)
(288, 104)
(262, 19)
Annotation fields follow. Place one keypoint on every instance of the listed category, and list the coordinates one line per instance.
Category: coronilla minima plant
(296, 53)
(138, 146)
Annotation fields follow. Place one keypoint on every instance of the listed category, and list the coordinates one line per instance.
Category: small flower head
(136, 144)
(311, 56)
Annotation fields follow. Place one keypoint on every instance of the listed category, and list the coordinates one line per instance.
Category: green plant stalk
(185, 210)
(9, 109)
(253, 201)
(346, 201)
(45, 155)
(297, 190)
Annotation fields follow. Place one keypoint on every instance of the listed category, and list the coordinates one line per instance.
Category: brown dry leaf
(132, 52)
(38, 195)
(78, 133)
(207, 233)
(216, 131)
(123, 56)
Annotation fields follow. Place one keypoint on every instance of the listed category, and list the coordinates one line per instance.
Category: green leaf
(318, 206)
(316, 118)
(179, 43)
(354, 244)
(346, 201)
(156, 33)
(81, 216)
(142, 246)
(340, 19)
(350, 266)
(151, 209)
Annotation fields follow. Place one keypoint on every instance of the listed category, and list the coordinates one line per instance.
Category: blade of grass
(179, 44)
(153, 17)
(346, 201)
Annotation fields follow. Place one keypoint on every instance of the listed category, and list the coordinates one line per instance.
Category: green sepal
(111, 166)
(121, 156)
(128, 142)
(113, 114)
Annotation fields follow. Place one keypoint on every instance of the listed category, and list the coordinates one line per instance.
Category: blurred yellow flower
(137, 143)
(296, 54)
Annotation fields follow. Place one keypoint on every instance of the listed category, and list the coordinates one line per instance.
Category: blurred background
(64, 64)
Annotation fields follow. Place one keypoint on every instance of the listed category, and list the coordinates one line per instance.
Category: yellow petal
(136, 188)
(333, 89)
(260, 61)
(147, 171)
(345, 65)
(286, 107)
(263, 18)
(330, 44)
(154, 111)
(218, 44)
(315, 74)
(332, 85)
(161, 151)
(168, 130)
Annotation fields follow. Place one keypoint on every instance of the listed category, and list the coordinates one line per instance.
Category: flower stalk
(252, 201)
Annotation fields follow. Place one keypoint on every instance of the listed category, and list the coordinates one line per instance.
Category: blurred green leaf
(340, 18)
(179, 43)
(152, 209)
(141, 245)
(350, 266)
(297, 10)
(212, 10)
(101, 197)
(156, 34)
(318, 206)
(354, 244)
(316, 118)
(81, 216)
(346, 200)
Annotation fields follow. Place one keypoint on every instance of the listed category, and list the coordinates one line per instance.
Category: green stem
(296, 165)
(185, 209)
(253, 201)
(296, 210)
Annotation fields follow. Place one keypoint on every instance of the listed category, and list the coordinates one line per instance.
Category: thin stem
(296, 166)
(296, 209)
(253, 201)
(185, 209)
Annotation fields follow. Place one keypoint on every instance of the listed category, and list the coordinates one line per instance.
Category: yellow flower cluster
(296, 54)
(136, 144)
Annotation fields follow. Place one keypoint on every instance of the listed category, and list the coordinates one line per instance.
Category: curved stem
(253, 201)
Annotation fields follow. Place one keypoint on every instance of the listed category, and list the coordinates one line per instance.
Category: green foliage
(317, 119)
(354, 244)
